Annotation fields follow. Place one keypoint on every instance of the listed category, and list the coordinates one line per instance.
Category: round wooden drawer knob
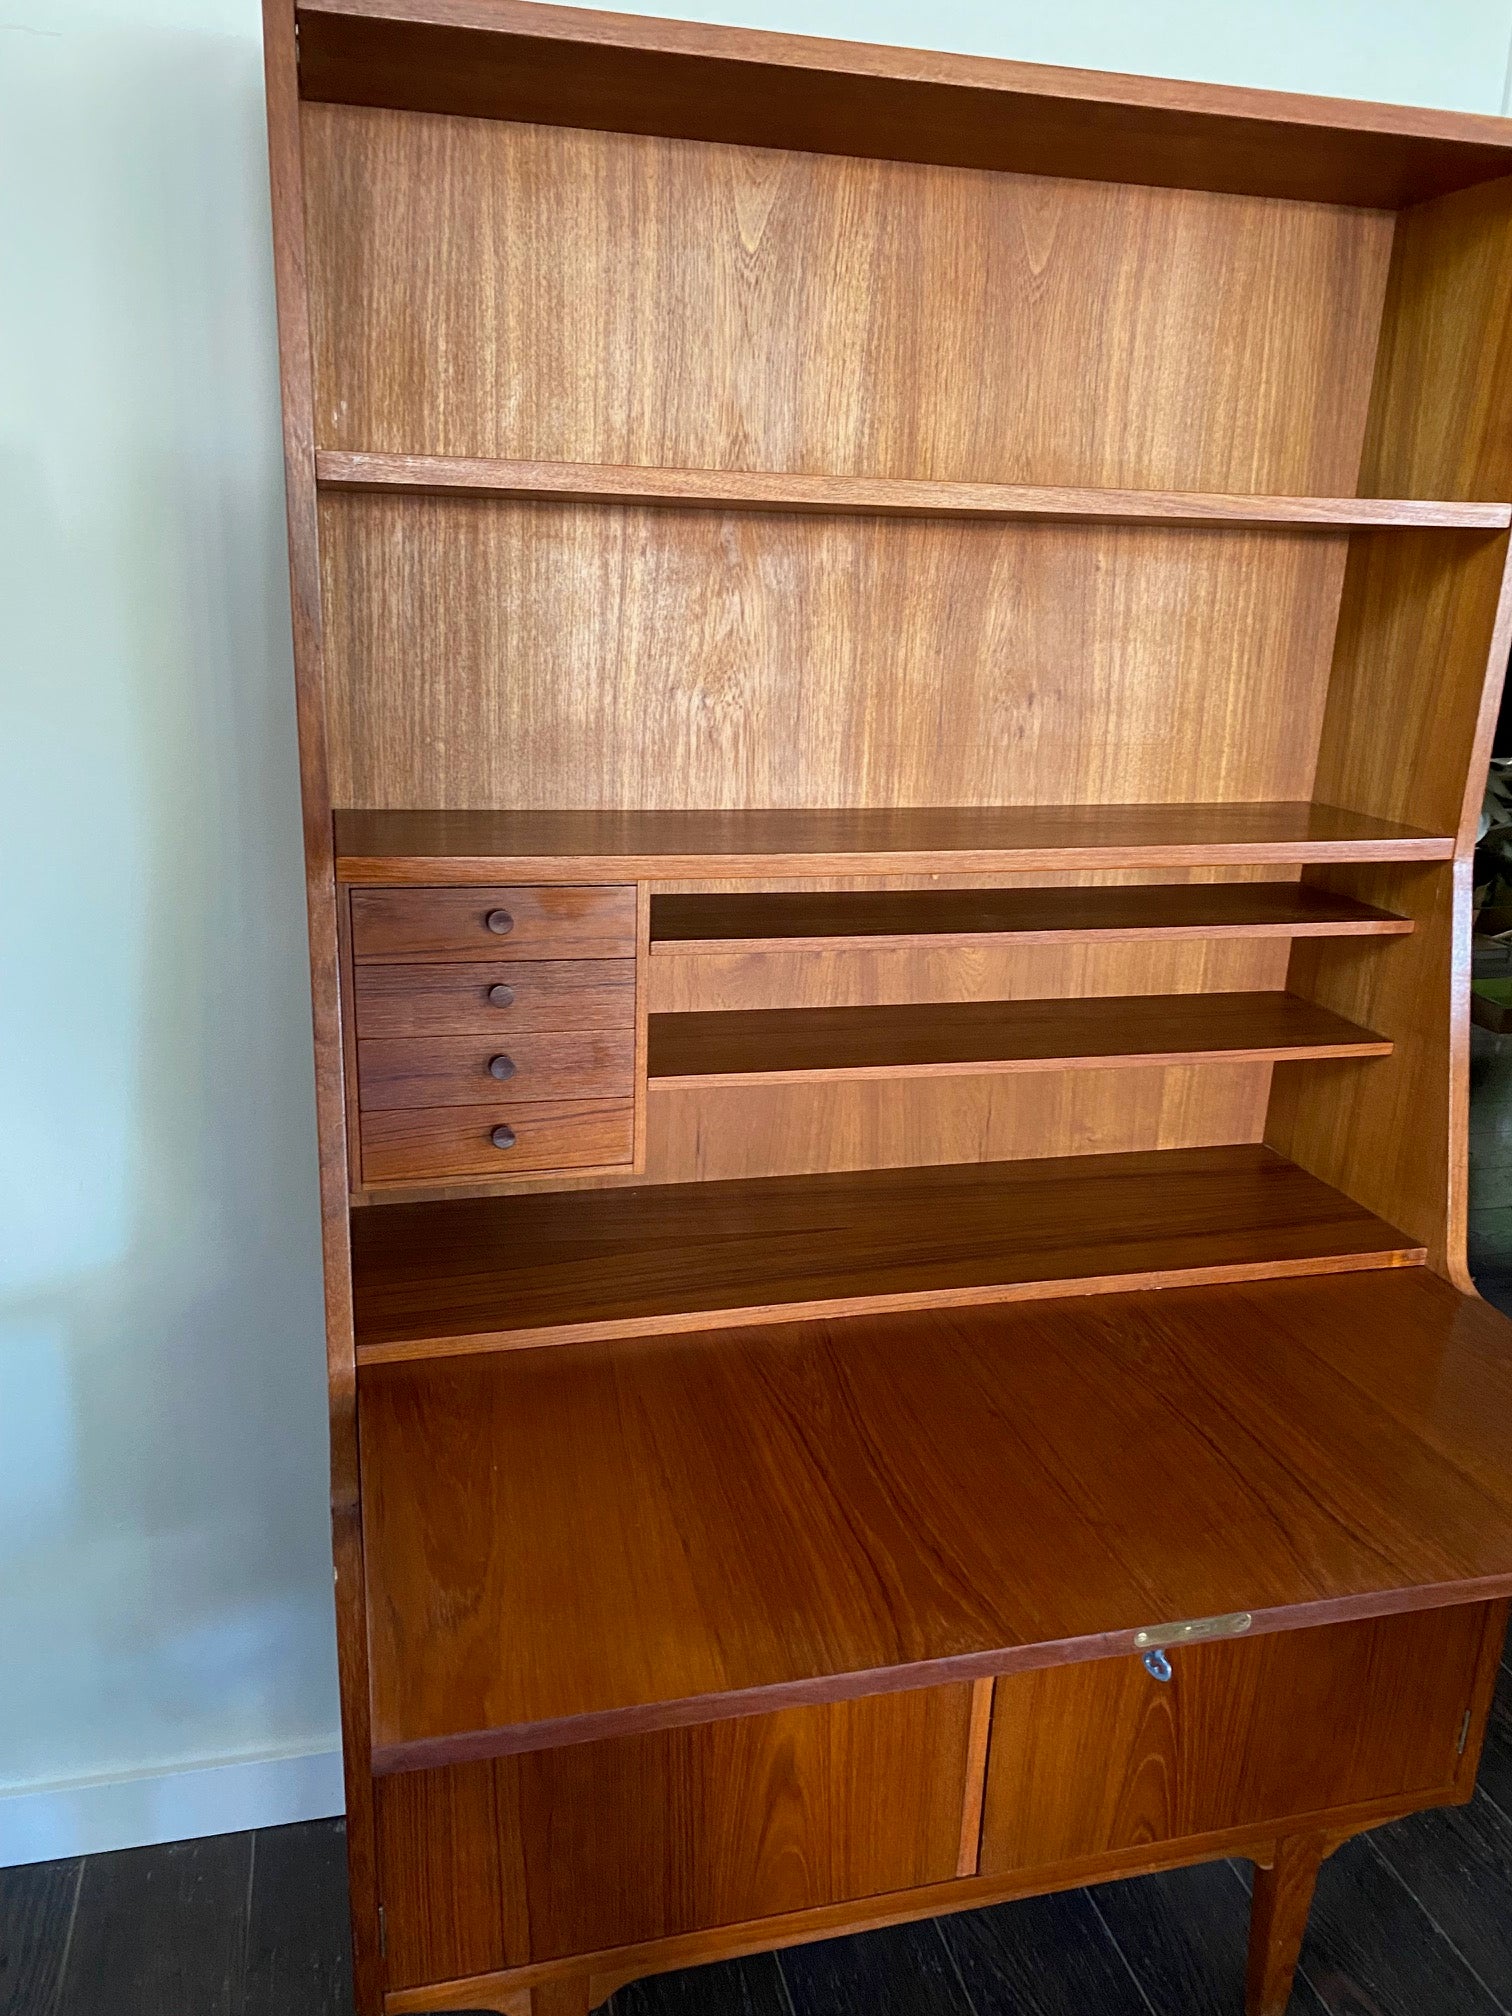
(500, 995)
(503, 1137)
(501, 1067)
(500, 923)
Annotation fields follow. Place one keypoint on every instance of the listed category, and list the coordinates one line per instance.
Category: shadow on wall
(164, 1564)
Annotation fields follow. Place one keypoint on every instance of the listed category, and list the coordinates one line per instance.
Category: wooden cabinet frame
(1006, 570)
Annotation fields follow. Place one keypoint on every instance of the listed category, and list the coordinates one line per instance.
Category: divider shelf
(885, 920)
(435, 847)
(563, 1545)
(874, 496)
(433, 1280)
(934, 1038)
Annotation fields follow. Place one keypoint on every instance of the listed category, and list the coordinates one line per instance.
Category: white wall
(166, 1655)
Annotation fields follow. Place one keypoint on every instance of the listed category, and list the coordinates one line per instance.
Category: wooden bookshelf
(770, 490)
(895, 656)
(436, 1280)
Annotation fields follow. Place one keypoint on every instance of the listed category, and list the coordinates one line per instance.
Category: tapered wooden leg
(1278, 1919)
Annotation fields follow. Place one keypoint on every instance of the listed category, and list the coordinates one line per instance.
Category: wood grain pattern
(766, 1129)
(823, 1511)
(552, 923)
(575, 67)
(721, 1132)
(793, 1043)
(1444, 331)
(997, 969)
(455, 999)
(1282, 1899)
(896, 497)
(1422, 630)
(457, 847)
(544, 1064)
(1488, 1676)
(641, 658)
(439, 1820)
(526, 291)
(1421, 653)
(697, 925)
(435, 1279)
(1099, 1756)
(417, 1144)
(968, 1856)
(634, 1839)
(1399, 1145)
(296, 374)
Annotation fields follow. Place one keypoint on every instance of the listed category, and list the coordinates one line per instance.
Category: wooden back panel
(500, 655)
(482, 288)
(769, 1131)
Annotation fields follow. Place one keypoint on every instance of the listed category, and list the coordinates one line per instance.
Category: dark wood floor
(1413, 1920)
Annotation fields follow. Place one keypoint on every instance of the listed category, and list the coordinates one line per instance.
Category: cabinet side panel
(1440, 422)
(1393, 1135)
(286, 174)
(1424, 630)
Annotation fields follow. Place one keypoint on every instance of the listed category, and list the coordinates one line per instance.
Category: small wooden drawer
(582, 922)
(1248, 1732)
(532, 1064)
(435, 1144)
(494, 998)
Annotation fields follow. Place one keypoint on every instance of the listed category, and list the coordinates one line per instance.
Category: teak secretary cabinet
(895, 658)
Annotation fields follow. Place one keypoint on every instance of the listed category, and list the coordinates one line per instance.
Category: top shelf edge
(871, 496)
(573, 66)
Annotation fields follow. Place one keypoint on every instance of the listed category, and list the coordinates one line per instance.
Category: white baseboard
(96, 1815)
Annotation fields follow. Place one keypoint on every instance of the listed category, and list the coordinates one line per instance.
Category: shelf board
(908, 919)
(565, 1545)
(502, 1273)
(568, 66)
(768, 1046)
(433, 847)
(874, 496)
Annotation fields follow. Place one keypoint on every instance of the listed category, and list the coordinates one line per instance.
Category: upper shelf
(559, 846)
(569, 1544)
(565, 66)
(874, 496)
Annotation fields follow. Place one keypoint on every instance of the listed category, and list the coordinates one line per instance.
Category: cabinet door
(1092, 1758)
(604, 1844)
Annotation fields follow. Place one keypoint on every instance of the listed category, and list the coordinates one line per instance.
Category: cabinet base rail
(1286, 1868)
